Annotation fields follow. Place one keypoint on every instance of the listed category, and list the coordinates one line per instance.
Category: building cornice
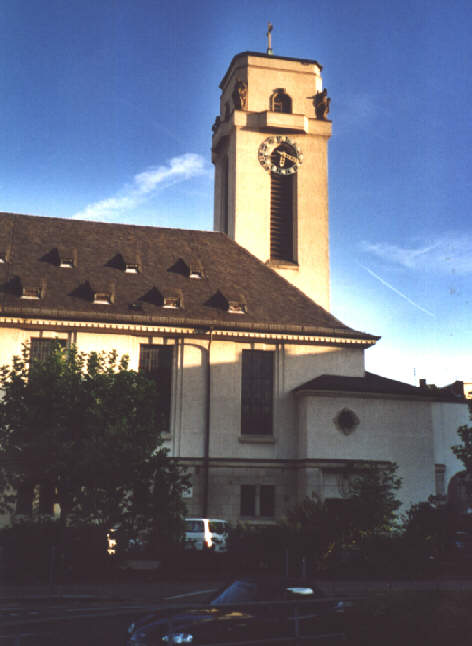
(428, 396)
(200, 329)
(281, 463)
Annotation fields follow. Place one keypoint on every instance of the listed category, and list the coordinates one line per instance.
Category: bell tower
(269, 148)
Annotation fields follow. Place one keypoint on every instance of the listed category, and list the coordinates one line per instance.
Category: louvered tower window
(281, 215)
(225, 199)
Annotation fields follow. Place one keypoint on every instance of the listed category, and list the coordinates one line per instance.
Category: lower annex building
(268, 397)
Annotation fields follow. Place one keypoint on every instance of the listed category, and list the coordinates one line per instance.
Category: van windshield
(218, 527)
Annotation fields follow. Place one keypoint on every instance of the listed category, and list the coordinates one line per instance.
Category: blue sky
(106, 111)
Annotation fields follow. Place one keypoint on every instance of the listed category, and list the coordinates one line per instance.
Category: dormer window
(66, 257)
(196, 271)
(31, 293)
(102, 298)
(171, 302)
(235, 303)
(131, 268)
(236, 307)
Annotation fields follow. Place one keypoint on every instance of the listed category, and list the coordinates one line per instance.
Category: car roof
(277, 580)
(212, 520)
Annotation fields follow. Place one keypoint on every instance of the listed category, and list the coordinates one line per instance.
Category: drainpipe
(206, 448)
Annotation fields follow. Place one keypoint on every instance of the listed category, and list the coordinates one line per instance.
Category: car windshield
(218, 527)
(237, 592)
(247, 590)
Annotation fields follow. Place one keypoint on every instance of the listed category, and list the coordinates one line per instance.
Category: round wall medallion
(279, 154)
(346, 421)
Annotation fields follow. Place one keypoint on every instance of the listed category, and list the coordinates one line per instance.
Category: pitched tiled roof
(139, 267)
(372, 383)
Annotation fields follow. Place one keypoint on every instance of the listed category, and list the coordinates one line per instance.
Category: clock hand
(291, 157)
(284, 155)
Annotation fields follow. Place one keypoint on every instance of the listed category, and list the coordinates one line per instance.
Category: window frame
(257, 392)
(257, 501)
(162, 368)
(47, 344)
(282, 217)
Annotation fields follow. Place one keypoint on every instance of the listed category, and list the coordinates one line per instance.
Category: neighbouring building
(268, 398)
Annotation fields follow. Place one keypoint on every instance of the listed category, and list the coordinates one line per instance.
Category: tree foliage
(373, 501)
(85, 426)
(428, 528)
(463, 451)
(367, 511)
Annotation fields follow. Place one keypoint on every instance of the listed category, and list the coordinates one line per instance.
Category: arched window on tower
(281, 102)
(281, 215)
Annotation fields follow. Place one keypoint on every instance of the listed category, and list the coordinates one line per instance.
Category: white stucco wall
(447, 417)
(237, 461)
(293, 365)
(391, 429)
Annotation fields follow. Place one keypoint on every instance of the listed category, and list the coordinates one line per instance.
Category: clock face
(279, 154)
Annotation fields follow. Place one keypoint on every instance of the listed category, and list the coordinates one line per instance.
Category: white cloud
(143, 187)
(450, 253)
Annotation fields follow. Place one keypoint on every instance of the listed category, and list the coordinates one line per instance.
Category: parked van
(206, 533)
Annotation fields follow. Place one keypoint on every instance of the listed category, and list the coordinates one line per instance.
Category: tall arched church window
(281, 214)
(281, 102)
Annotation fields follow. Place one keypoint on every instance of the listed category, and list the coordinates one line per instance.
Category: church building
(265, 394)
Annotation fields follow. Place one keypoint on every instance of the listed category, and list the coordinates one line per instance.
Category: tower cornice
(271, 57)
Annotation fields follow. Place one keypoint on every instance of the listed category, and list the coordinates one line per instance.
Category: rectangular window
(24, 499)
(35, 499)
(156, 362)
(46, 499)
(267, 500)
(440, 476)
(257, 386)
(257, 500)
(41, 348)
(248, 500)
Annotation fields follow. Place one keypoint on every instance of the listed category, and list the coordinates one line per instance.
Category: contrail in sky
(178, 169)
(397, 291)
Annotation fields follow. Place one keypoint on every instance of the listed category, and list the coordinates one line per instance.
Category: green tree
(427, 529)
(86, 427)
(463, 451)
(366, 514)
(373, 504)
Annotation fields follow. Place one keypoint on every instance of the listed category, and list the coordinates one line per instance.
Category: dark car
(248, 611)
(463, 544)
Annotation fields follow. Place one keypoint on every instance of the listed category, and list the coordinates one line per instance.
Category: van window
(194, 526)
